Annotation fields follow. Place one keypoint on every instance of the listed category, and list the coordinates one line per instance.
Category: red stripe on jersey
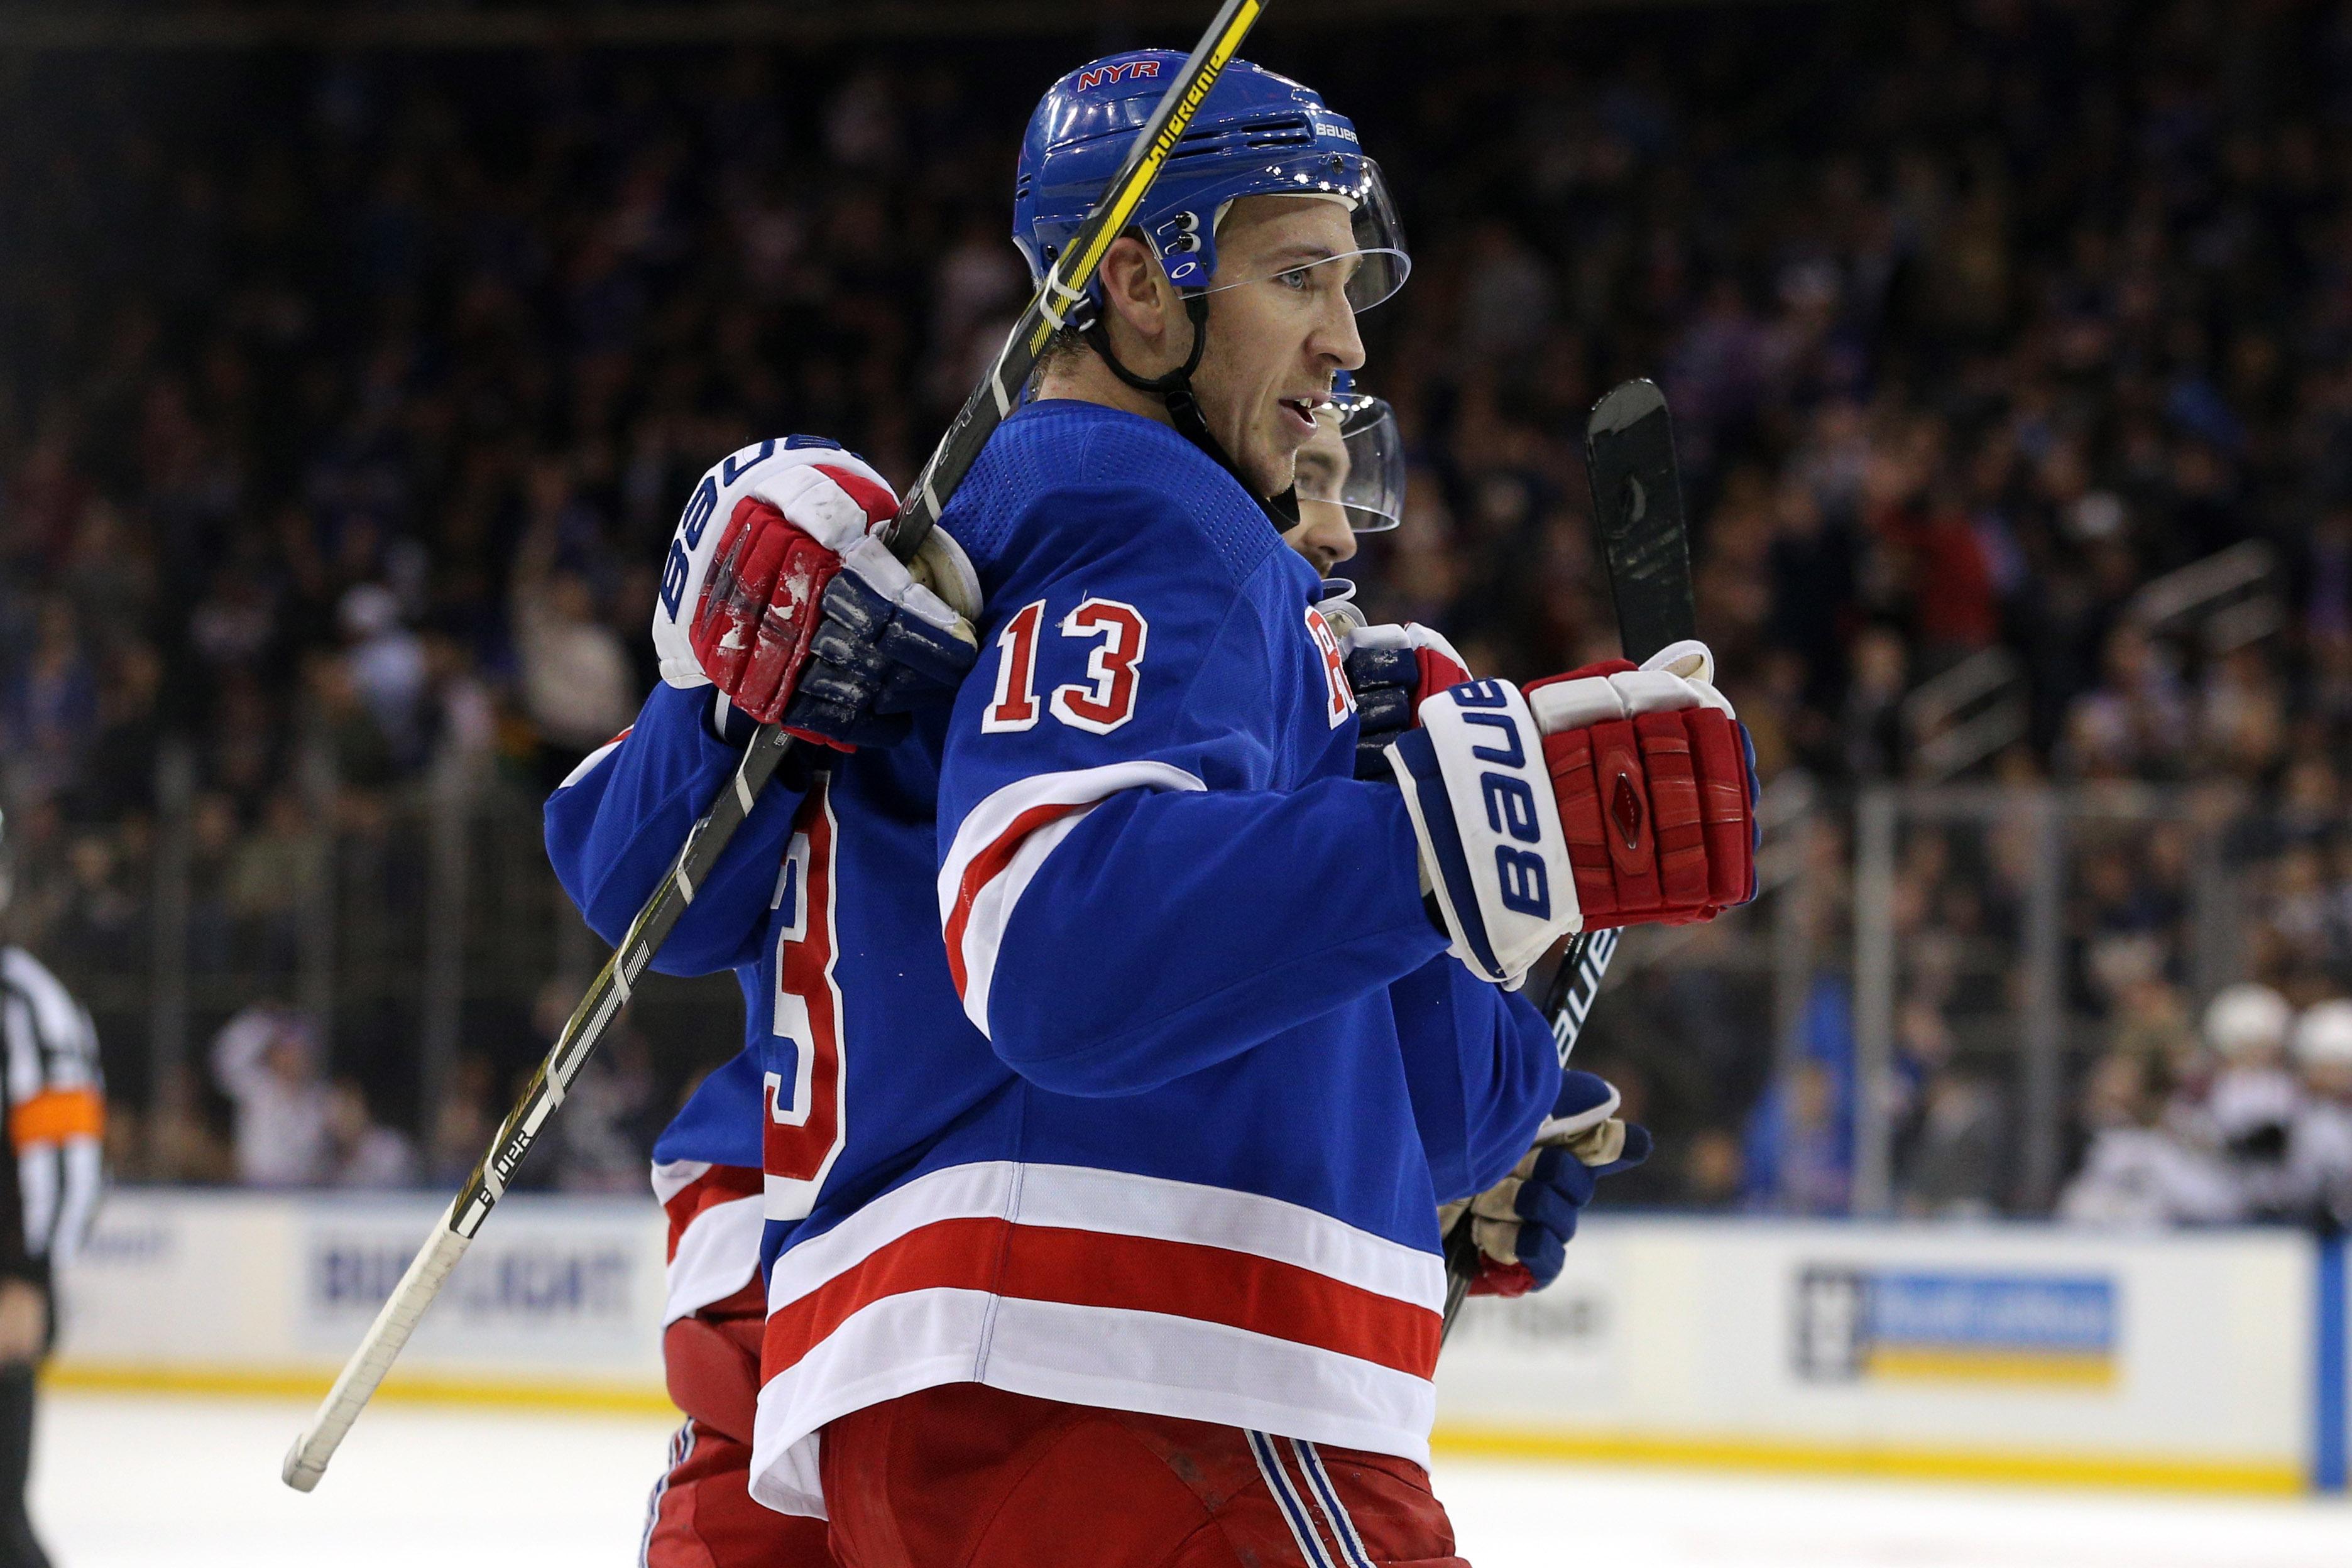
(720, 1183)
(987, 866)
(1122, 1273)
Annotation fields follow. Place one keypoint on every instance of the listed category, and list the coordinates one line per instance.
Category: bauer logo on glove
(779, 591)
(1481, 803)
(1609, 796)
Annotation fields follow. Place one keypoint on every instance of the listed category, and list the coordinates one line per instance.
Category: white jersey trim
(587, 764)
(1116, 1356)
(717, 1255)
(986, 875)
(1146, 1362)
(1114, 1203)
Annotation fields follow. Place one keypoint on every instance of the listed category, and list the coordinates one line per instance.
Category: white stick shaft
(305, 1461)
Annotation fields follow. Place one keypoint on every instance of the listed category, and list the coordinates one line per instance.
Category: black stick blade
(1637, 498)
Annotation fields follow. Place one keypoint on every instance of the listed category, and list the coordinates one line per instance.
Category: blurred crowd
(345, 402)
(2252, 1122)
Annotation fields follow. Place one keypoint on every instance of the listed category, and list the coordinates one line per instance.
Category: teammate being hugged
(1101, 1214)
(55, 1109)
(778, 602)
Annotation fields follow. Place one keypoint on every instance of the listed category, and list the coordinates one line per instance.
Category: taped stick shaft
(356, 1385)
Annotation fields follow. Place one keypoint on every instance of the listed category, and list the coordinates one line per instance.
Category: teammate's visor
(1376, 264)
(1365, 475)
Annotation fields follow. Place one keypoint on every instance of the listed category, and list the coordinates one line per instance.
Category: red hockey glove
(1607, 797)
(749, 597)
(1655, 783)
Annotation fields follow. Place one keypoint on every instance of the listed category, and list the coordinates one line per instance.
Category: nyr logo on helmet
(1126, 70)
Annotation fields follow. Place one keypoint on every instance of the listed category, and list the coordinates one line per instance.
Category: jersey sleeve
(1481, 1069)
(1132, 884)
(614, 827)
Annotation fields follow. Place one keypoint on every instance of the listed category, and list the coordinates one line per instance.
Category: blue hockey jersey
(1107, 1053)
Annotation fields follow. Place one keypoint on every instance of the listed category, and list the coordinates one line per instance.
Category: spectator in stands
(2137, 1171)
(578, 683)
(2320, 1143)
(461, 1125)
(387, 663)
(360, 1151)
(266, 1059)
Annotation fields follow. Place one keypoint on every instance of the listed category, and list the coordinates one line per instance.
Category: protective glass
(1356, 462)
(1375, 268)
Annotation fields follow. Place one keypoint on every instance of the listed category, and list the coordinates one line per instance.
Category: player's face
(1322, 534)
(1276, 343)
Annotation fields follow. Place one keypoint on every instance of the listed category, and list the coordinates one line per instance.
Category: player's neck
(1085, 379)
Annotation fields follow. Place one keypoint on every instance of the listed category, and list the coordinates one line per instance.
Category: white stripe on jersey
(975, 905)
(587, 764)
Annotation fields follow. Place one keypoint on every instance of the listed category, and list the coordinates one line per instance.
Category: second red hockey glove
(1656, 780)
(1607, 797)
(1525, 1222)
(779, 590)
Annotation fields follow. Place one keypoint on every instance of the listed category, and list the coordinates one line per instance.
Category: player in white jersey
(54, 1099)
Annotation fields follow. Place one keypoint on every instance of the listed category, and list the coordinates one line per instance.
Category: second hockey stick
(996, 395)
(1643, 541)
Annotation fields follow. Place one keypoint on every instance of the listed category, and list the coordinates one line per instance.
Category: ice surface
(126, 1481)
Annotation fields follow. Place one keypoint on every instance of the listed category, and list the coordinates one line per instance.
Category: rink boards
(2030, 1353)
(2212, 1360)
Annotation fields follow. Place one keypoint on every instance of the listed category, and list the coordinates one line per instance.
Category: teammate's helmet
(1257, 134)
(1373, 493)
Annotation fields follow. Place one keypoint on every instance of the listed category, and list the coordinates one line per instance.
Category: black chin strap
(1175, 389)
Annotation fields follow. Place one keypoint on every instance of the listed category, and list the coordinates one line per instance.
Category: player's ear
(1136, 290)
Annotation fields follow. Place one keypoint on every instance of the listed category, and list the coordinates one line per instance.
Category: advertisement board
(1992, 1351)
(263, 1291)
(2198, 1359)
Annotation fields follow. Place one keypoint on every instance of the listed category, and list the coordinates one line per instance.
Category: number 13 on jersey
(1100, 703)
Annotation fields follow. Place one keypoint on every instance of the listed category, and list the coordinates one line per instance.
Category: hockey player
(799, 614)
(1350, 480)
(55, 1109)
(1092, 1226)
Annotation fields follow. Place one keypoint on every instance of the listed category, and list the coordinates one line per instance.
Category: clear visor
(1369, 266)
(1356, 462)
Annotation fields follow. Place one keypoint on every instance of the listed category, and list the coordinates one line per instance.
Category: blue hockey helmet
(1258, 134)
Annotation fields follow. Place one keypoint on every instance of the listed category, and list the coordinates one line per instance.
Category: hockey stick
(1643, 539)
(982, 411)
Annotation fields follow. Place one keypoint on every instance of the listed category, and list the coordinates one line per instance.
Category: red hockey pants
(701, 1514)
(964, 1475)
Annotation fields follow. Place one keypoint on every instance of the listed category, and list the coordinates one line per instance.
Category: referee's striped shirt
(56, 1106)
